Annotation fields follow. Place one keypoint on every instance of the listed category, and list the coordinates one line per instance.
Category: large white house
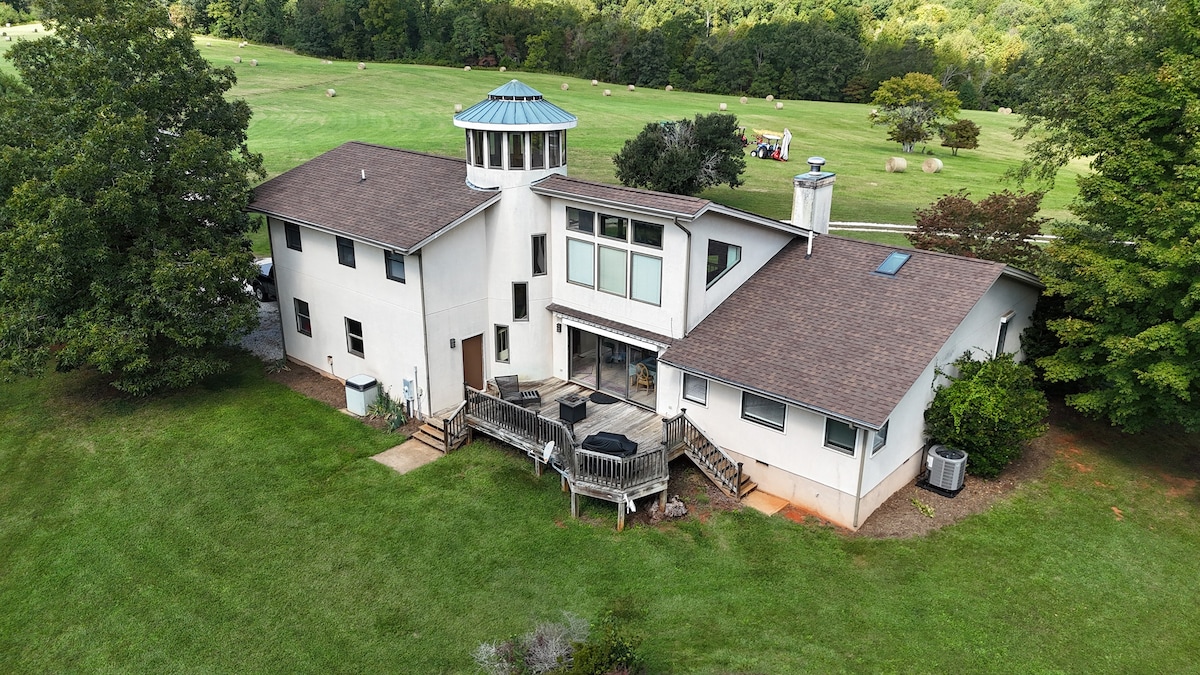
(805, 359)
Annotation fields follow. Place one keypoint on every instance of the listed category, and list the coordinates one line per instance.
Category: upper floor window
(721, 258)
(612, 270)
(345, 248)
(477, 147)
(695, 388)
(580, 220)
(556, 152)
(645, 278)
(539, 255)
(303, 317)
(516, 150)
(393, 264)
(1002, 336)
(537, 150)
(495, 141)
(502, 344)
(880, 438)
(581, 262)
(647, 234)
(613, 227)
(520, 301)
(291, 233)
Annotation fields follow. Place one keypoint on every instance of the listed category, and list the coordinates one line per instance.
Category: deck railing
(620, 474)
(454, 428)
(527, 425)
(680, 431)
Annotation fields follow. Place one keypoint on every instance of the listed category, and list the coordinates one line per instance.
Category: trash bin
(361, 391)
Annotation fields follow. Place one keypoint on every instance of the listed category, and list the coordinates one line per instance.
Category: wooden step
(746, 487)
(431, 436)
(433, 431)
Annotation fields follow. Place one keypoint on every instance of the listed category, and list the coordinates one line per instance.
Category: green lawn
(240, 527)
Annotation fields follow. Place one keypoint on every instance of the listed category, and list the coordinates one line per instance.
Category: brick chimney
(812, 196)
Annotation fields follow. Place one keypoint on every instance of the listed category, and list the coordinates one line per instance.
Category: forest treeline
(828, 50)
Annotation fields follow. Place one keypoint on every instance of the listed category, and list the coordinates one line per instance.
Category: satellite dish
(547, 451)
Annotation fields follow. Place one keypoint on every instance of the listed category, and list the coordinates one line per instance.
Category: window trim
(880, 441)
(497, 331)
(350, 336)
(1002, 333)
(388, 258)
(495, 151)
(525, 286)
(533, 253)
(722, 273)
(761, 420)
(624, 275)
(590, 245)
(555, 153)
(344, 244)
(852, 451)
(477, 151)
(701, 401)
(635, 254)
(307, 314)
(288, 230)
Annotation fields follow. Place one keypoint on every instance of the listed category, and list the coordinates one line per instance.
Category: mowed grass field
(238, 527)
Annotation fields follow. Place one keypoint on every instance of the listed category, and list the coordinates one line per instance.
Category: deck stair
(433, 436)
(682, 436)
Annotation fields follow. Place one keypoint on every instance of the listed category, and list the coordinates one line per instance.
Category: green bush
(609, 648)
(988, 411)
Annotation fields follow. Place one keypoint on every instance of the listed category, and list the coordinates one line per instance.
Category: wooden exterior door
(472, 356)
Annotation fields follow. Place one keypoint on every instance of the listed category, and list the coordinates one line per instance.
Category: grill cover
(611, 444)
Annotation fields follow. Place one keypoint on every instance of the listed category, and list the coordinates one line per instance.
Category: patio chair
(510, 390)
(643, 378)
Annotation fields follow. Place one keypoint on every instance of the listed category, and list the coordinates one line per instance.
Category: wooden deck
(642, 426)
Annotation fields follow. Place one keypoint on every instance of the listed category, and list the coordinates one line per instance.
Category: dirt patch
(308, 382)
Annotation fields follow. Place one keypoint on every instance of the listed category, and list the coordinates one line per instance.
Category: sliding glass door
(614, 367)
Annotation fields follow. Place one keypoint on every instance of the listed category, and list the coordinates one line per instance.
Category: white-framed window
(612, 270)
(763, 411)
(647, 234)
(840, 436)
(354, 338)
(721, 258)
(645, 278)
(581, 263)
(393, 265)
(291, 234)
(1002, 335)
(538, 254)
(501, 343)
(695, 388)
(345, 249)
(520, 301)
(880, 438)
(303, 317)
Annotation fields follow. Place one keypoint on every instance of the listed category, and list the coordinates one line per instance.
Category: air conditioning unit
(947, 468)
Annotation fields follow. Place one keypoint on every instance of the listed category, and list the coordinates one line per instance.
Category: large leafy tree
(913, 107)
(684, 157)
(1125, 91)
(998, 227)
(123, 177)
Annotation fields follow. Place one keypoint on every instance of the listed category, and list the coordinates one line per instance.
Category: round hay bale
(895, 165)
(35, 30)
(362, 66)
(770, 97)
(241, 45)
(779, 105)
(457, 107)
(670, 88)
(565, 86)
(631, 87)
(1005, 111)
(207, 44)
(722, 107)
(326, 63)
(254, 62)
(743, 100)
(330, 93)
(503, 69)
(8, 38)
(466, 69)
(608, 92)
(932, 165)
(237, 59)
(594, 83)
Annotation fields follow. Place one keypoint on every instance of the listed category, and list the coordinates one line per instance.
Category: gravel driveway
(266, 342)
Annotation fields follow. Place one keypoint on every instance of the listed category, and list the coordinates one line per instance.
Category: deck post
(662, 501)
(574, 504)
(737, 487)
(621, 516)
(537, 467)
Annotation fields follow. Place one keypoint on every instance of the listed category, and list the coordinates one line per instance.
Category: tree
(683, 157)
(998, 228)
(123, 179)
(914, 107)
(1124, 91)
(961, 134)
(988, 410)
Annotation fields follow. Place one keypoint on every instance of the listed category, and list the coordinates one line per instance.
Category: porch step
(431, 436)
(746, 487)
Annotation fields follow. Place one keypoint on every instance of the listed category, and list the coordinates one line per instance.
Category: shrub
(988, 410)
(610, 648)
(545, 649)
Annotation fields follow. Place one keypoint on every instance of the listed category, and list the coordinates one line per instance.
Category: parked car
(264, 285)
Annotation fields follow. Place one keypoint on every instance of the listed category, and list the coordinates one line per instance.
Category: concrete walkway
(407, 456)
(766, 503)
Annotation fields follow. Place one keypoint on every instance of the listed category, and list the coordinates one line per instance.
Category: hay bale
(254, 62)
(330, 93)
(631, 87)
(608, 92)
(207, 44)
(503, 68)
(362, 66)
(237, 59)
(932, 165)
(466, 69)
(1005, 111)
(457, 108)
(895, 165)
(326, 63)
(8, 38)
(670, 88)
(770, 97)
(779, 105)
(594, 83)
(743, 100)
(241, 45)
(565, 86)
(722, 107)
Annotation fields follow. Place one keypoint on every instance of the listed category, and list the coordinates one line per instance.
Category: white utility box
(361, 391)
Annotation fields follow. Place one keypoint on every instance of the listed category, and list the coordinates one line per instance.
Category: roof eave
(1023, 276)
(755, 218)
(328, 230)
(599, 201)
(455, 223)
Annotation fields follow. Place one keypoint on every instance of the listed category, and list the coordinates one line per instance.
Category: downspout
(424, 331)
(862, 463)
(687, 276)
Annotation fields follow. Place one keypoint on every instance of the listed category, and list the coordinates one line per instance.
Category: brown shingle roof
(586, 317)
(647, 200)
(406, 198)
(830, 334)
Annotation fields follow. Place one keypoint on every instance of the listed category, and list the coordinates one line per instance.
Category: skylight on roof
(893, 263)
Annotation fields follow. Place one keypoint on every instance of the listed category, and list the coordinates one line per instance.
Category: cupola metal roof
(515, 104)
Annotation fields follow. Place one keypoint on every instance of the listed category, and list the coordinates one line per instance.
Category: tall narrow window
(502, 344)
(345, 249)
(393, 264)
(520, 301)
(612, 270)
(539, 255)
(1002, 336)
(880, 438)
(495, 141)
(580, 262)
(354, 337)
(291, 233)
(469, 144)
(645, 278)
(840, 436)
(303, 318)
(562, 147)
(477, 140)
(537, 150)
(516, 150)
(580, 220)
(553, 143)
(721, 258)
